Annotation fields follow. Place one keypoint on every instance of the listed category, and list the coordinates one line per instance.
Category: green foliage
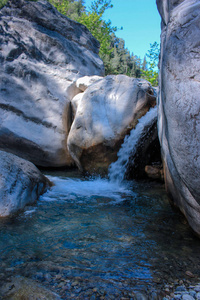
(151, 73)
(100, 29)
(71, 8)
(2, 3)
(117, 59)
(121, 61)
(99, 6)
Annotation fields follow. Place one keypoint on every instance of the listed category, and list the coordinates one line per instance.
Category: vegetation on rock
(116, 57)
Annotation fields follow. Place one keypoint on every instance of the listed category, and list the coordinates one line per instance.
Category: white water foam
(73, 189)
(117, 169)
(114, 188)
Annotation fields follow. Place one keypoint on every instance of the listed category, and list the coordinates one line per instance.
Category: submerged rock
(179, 105)
(104, 114)
(21, 183)
(43, 53)
(20, 288)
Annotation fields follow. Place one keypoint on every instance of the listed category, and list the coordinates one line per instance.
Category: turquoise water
(90, 235)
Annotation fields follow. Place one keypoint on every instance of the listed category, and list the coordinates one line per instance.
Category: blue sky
(140, 21)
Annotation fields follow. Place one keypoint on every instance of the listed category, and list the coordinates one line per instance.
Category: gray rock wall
(179, 104)
(42, 55)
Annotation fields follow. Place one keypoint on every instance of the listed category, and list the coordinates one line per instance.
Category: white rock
(42, 55)
(84, 82)
(105, 113)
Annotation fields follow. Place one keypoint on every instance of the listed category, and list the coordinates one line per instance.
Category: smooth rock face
(179, 104)
(42, 55)
(104, 114)
(21, 183)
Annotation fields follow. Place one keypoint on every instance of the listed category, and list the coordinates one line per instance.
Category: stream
(99, 238)
(90, 238)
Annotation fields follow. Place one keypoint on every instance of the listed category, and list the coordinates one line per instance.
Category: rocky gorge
(58, 110)
(65, 113)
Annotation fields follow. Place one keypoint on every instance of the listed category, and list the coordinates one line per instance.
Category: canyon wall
(179, 104)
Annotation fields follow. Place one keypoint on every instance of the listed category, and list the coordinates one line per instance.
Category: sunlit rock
(179, 104)
(43, 53)
(21, 183)
(104, 114)
(84, 82)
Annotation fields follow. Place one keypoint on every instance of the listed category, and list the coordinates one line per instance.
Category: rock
(147, 152)
(187, 297)
(177, 296)
(23, 288)
(140, 296)
(104, 114)
(197, 289)
(21, 183)
(181, 289)
(179, 105)
(192, 293)
(43, 53)
(154, 172)
(189, 274)
(84, 82)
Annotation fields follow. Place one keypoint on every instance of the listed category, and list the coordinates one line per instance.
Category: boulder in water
(43, 53)
(104, 114)
(179, 105)
(21, 183)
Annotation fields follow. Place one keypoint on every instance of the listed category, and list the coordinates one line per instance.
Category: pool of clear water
(90, 235)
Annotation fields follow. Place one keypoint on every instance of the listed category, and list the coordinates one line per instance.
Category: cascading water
(94, 238)
(117, 169)
(85, 190)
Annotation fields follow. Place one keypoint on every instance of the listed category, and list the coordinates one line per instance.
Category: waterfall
(118, 168)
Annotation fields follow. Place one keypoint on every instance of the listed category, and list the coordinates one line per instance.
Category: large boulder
(179, 104)
(42, 55)
(21, 183)
(104, 114)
